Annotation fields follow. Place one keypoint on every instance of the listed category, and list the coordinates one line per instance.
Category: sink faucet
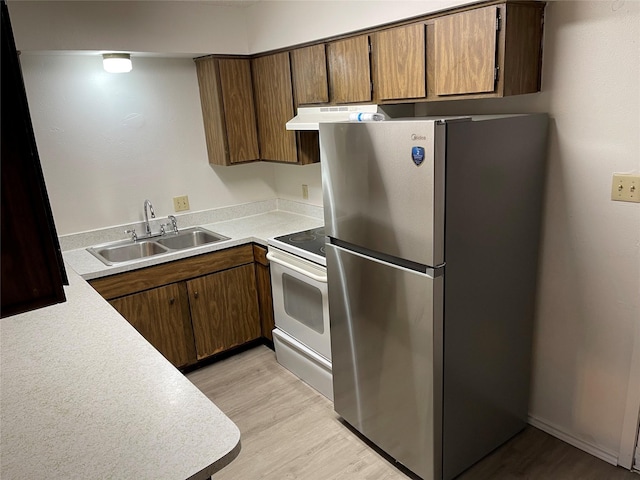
(147, 203)
(174, 223)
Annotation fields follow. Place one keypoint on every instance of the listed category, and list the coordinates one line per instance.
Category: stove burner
(307, 244)
(302, 237)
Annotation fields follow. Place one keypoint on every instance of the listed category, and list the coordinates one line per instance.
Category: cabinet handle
(195, 294)
(172, 301)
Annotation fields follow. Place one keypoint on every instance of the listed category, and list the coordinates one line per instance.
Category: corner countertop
(253, 228)
(83, 395)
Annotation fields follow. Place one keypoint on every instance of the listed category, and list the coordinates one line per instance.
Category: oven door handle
(318, 278)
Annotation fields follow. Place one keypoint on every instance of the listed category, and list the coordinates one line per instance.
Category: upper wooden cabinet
(349, 70)
(477, 51)
(309, 72)
(465, 52)
(399, 63)
(226, 96)
(490, 51)
(274, 107)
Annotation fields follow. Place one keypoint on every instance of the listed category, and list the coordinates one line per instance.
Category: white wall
(280, 23)
(166, 27)
(589, 298)
(108, 141)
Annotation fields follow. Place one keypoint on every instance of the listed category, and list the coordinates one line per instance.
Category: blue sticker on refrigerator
(417, 155)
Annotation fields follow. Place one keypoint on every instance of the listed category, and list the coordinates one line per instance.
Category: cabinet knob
(172, 301)
(195, 294)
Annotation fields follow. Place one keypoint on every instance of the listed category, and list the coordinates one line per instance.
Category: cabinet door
(399, 59)
(265, 299)
(309, 72)
(224, 310)
(228, 111)
(161, 315)
(32, 268)
(349, 70)
(239, 109)
(465, 52)
(274, 107)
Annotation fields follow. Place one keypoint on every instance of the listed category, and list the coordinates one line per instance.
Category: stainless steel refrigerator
(433, 227)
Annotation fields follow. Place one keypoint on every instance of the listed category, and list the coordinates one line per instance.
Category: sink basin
(189, 238)
(126, 251)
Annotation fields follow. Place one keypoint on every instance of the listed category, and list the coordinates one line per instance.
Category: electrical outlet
(625, 187)
(305, 191)
(181, 203)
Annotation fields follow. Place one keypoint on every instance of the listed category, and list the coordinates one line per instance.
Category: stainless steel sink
(190, 238)
(126, 251)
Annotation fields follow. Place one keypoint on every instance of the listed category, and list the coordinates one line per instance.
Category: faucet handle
(134, 236)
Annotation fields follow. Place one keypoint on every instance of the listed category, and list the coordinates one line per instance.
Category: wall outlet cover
(181, 203)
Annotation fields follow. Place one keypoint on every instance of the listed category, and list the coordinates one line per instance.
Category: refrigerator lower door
(386, 337)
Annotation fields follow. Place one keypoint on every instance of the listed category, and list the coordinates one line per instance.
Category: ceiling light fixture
(117, 62)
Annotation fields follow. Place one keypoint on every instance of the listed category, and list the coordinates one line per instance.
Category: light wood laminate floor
(289, 431)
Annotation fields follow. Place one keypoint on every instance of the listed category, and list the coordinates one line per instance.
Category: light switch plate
(305, 191)
(625, 187)
(181, 203)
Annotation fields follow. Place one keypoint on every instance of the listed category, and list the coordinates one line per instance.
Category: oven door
(300, 300)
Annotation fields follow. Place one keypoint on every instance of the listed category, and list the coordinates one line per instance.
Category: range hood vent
(308, 118)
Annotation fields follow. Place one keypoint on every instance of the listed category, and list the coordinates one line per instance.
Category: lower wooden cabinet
(161, 315)
(224, 310)
(193, 308)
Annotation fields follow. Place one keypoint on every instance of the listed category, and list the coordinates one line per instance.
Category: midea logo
(418, 137)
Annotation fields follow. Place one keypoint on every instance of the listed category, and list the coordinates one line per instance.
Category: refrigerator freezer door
(386, 337)
(383, 185)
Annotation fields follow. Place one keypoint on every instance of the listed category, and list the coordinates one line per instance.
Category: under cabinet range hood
(308, 118)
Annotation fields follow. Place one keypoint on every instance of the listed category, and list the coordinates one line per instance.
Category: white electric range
(302, 337)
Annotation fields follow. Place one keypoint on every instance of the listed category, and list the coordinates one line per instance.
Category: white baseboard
(603, 454)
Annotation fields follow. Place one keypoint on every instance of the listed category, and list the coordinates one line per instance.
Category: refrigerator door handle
(388, 260)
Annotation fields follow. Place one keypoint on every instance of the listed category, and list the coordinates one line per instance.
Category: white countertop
(254, 228)
(83, 395)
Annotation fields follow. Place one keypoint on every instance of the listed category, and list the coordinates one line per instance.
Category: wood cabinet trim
(260, 255)
(146, 278)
